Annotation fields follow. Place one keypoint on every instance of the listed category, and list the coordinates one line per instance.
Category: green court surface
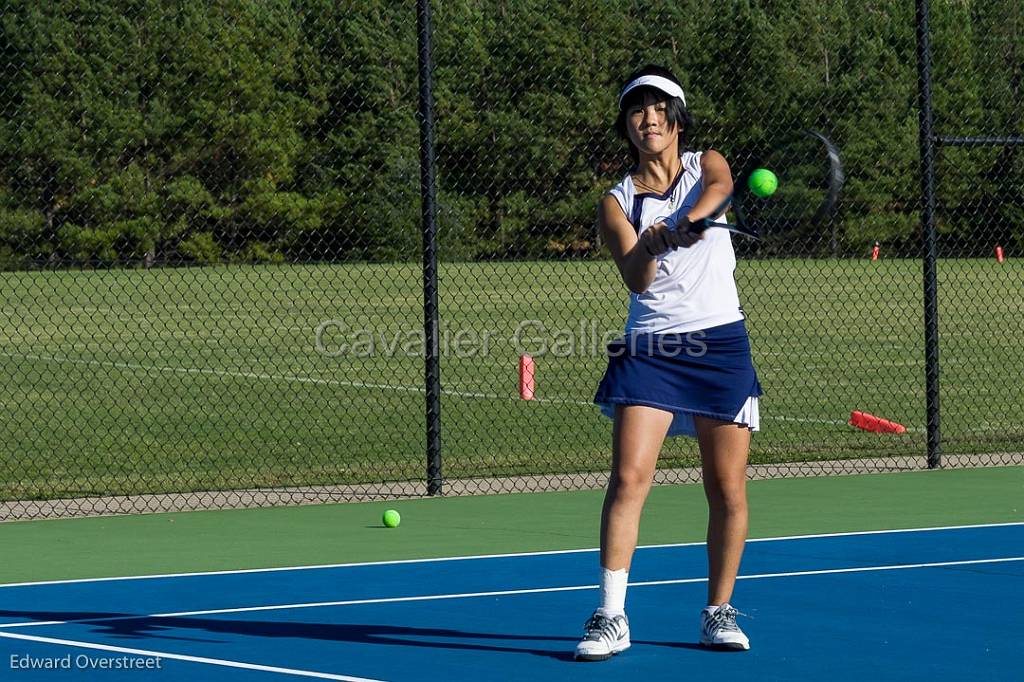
(462, 526)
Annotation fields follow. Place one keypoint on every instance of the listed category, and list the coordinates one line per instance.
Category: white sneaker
(719, 629)
(603, 636)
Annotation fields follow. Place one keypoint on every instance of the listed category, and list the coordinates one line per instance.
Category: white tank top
(694, 287)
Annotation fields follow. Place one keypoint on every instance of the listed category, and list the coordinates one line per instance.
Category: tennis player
(683, 366)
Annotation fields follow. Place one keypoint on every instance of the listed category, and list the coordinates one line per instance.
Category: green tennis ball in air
(392, 518)
(763, 182)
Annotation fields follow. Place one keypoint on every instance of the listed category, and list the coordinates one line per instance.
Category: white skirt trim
(749, 415)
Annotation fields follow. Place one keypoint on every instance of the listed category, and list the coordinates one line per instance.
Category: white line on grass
(335, 382)
(836, 422)
(805, 420)
(244, 375)
(191, 659)
(473, 557)
(277, 377)
(503, 593)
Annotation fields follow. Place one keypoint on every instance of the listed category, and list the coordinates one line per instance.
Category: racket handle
(738, 229)
(698, 226)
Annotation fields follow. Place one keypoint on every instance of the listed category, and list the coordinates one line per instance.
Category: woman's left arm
(717, 185)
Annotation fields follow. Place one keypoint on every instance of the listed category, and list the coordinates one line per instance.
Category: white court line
(502, 593)
(191, 659)
(507, 555)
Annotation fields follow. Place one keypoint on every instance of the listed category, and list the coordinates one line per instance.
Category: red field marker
(526, 377)
(869, 422)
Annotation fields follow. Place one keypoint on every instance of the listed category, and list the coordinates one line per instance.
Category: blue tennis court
(935, 604)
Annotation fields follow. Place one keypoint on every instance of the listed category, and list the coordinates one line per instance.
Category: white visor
(657, 82)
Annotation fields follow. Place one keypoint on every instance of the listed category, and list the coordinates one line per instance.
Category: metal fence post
(931, 308)
(428, 193)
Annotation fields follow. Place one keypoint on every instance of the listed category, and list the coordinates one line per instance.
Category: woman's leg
(637, 437)
(724, 447)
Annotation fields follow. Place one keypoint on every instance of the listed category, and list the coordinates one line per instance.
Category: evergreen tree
(132, 130)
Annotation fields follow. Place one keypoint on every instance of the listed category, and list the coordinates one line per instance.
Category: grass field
(132, 381)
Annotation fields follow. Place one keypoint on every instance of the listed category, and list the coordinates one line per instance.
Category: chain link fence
(211, 242)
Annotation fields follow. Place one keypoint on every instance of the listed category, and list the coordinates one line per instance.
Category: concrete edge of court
(107, 505)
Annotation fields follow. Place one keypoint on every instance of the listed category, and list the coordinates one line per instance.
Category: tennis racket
(810, 176)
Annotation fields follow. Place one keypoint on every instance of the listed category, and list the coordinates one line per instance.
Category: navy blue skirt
(707, 373)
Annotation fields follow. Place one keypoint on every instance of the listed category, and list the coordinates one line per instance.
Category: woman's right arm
(635, 256)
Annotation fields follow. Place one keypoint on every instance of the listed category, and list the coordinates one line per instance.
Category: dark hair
(676, 112)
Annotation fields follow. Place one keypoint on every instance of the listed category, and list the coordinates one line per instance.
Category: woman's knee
(727, 496)
(630, 482)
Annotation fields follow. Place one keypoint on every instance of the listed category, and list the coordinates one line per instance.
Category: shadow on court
(128, 626)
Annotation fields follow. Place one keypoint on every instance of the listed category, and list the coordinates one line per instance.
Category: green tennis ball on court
(763, 182)
(392, 518)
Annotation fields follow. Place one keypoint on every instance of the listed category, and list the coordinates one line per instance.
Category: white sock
(613, 591)
(712, 608)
